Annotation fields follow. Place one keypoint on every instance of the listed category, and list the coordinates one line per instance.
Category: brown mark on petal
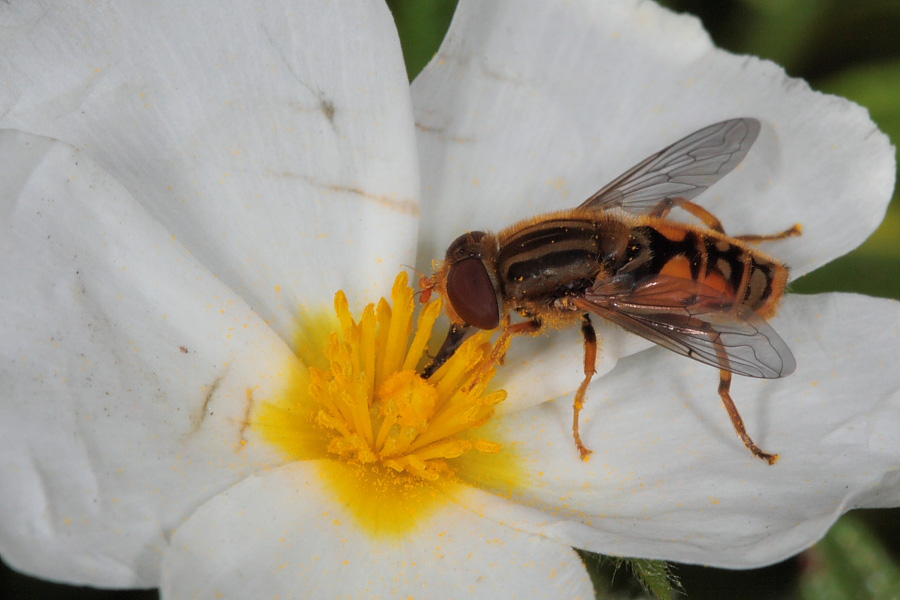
(245, 421)
(325, 106)
(198, 419)
(439, 131)
(409, 207)
(503, 77)
(464, 61)
(430, 128)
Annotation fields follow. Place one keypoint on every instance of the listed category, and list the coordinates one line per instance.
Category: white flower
(185, 187)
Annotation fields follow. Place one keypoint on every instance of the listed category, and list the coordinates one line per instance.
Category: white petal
(262, 134)
(538, 369)
(670, 479)
(128, 370)
(278, 534)
(532, 106)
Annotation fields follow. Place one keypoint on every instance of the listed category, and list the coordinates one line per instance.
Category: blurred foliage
(849, 563)
(847, 48)
(421, 24)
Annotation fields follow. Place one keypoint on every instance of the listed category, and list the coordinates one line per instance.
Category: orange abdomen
(725, 264)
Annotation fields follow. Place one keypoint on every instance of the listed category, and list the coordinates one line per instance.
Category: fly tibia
(738, 422)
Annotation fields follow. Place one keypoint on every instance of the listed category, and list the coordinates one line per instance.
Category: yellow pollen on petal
(390, 445)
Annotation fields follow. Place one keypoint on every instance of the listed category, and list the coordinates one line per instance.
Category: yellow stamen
(423, 330)
(382, 325)
(383, 425)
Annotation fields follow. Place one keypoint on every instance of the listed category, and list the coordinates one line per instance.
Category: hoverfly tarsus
(691, 289)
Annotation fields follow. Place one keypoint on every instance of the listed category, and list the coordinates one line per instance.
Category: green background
(849, 48)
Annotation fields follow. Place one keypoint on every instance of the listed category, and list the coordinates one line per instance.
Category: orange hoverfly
(691, 289)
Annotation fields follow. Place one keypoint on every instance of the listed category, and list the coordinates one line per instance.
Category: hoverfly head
(469, 281)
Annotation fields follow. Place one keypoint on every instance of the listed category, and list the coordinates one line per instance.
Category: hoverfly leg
(704, 215)
(792, 231)
(737, 421)
(665, 207)
(532, 326)
(455, 337)
(590, 359)
(509, 331)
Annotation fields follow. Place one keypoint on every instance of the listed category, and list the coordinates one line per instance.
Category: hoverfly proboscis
(689, 288)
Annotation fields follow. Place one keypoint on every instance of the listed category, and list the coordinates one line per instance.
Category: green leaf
(421, 26)
(849, 564)
(655, 576)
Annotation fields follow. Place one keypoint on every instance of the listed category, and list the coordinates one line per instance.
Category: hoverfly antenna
(413, 269)
(426, 284)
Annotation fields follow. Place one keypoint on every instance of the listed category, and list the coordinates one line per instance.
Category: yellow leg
(710, 220)
(590, 359)
(666, 206)
(737, 421)
(792, 231)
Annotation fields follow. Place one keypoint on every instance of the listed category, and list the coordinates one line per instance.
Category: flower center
(391, 435)
(377, 406)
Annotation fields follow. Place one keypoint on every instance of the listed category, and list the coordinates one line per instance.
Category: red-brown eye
(472, 294)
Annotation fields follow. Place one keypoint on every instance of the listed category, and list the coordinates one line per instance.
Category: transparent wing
(680, 172)
(694, 320)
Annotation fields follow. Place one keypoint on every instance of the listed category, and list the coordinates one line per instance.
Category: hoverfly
(689, 288)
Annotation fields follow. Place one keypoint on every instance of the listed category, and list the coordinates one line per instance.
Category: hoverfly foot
(793, 231)
(586, 453)
(769, 458)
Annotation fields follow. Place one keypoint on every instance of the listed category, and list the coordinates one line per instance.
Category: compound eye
(472, 295)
